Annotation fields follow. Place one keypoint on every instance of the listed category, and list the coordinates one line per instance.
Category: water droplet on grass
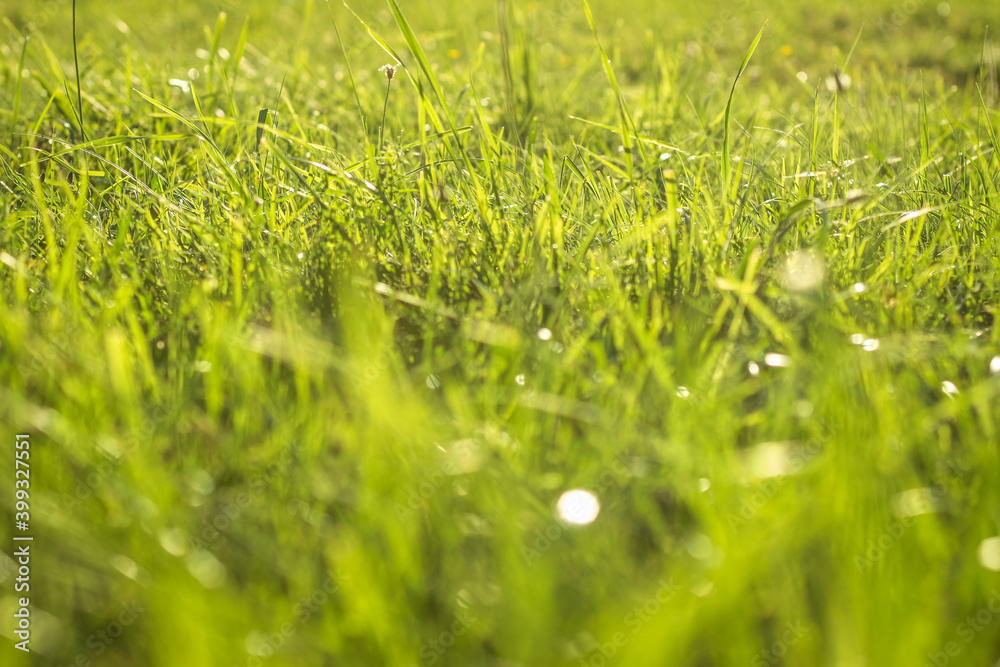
(125, 565)
(775, 360)
(206, 568)
(173, 541)
(578, 507)
(700, 546)
(258, 645)
(914, 502)
(767, 460)
(464, 456)
(989, 553)
(703, 589)
(473, 524)
(201, 481)
(803, 271)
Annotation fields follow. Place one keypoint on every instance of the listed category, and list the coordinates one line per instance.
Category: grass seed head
(389, 71)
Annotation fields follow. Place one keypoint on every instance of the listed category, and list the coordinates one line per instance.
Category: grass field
(304, 386)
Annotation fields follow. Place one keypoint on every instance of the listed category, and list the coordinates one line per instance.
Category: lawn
(309, 354)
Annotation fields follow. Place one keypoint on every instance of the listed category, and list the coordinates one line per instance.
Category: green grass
(306, 389)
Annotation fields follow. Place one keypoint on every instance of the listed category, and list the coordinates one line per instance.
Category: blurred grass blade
(261, 120)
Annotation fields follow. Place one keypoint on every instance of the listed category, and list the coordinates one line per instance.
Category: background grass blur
(312, 402)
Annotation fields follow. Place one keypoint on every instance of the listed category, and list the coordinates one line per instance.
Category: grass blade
(76, 63)
(17, 92)
(726, 117)
(627, 123)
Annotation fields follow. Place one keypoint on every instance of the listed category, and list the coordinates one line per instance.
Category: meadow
(308, 349)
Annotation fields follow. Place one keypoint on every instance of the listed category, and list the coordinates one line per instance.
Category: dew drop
(989, 553)
(578, 507)
(775, 360)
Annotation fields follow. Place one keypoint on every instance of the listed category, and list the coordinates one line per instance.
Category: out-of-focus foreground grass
(307, 392)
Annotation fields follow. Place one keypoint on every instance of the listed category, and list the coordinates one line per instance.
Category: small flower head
(389, 70)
